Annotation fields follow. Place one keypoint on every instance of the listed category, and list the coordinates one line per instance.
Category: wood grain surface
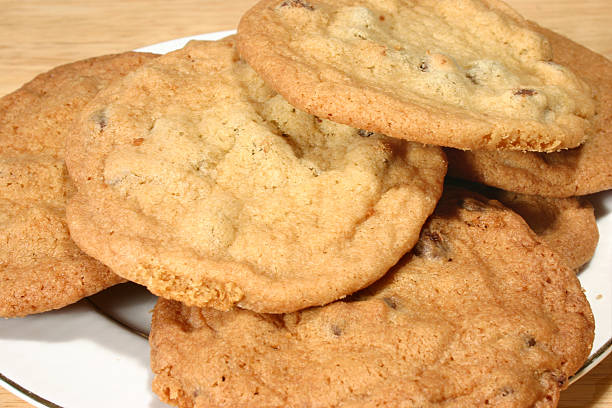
(36, 35)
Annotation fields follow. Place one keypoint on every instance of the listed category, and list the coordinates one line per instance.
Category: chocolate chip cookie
(580, 171)
(480, 313)
(198, 181)
(41, 268)
(469, 74)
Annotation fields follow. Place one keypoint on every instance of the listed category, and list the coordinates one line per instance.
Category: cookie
(198, 181)
(567, 225)
(583, 170)
(468, 74)
(41, 268)
(36, 117)
(481, 313)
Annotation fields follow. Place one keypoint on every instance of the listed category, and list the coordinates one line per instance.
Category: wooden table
(36, 35)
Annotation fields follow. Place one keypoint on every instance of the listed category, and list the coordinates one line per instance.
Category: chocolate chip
(296, 4)
(423, 66)
(557, 376)
(530, 341)
(525, 92)
(560, 378)
(431, 245)
(336, 331)
(314, 171)
(101, 119)
(390, 302)
(471, 77)
(434, 236)
(364, 133)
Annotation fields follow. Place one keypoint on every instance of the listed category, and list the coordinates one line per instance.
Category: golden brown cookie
(198, 181)
(580, 171)
(36, 117)
(480, 314)
(40, 266)
(469, 74)
(567, 225)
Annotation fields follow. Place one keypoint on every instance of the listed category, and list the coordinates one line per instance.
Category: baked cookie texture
(480, 313)
(580, 171)
(198, 181)
(567, 225)
(467, 74)
(41, 268)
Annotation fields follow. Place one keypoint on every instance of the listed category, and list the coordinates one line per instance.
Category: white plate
(95, 353)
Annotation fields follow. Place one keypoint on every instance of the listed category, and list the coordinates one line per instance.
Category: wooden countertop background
(36, 35)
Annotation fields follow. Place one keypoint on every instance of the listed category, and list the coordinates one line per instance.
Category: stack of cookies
(285, 193)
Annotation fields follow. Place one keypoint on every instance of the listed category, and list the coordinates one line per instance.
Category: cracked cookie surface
(580, 171)
(198, 181)
(481, 313)
(468, 74)
(41, 268)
